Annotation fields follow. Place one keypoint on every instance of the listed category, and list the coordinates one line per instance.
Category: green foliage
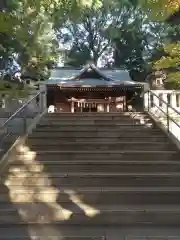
(173, 58)
(160, 9)
(119, 29)
(13, 89)
(135, 39)
(87, 36)
(173, 80)
(96, 29)
(171, 62)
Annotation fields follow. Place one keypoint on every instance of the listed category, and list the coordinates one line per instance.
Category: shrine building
(91, 90)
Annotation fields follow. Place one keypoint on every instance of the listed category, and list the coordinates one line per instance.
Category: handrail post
(41, 101)
(167, 115)
(25, 124)
(148, 100)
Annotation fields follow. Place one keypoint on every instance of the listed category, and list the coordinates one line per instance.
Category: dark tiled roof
(104, 77)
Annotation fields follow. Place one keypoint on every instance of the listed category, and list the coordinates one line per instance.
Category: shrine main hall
(92, 90)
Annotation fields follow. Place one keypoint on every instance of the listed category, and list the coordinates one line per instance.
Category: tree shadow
(9, 212)
(41, 206)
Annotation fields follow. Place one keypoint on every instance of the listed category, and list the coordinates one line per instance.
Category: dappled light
(91, 152)
(32, 192)
(141, 119)
(89, 211)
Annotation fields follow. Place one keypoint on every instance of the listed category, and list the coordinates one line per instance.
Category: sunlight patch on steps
(141, 119)
(88, 210)
(31, 191)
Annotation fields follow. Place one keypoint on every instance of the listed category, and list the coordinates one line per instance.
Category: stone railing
(164, 105)
(170, 96)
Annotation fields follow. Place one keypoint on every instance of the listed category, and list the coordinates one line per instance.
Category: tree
(119, 34)
(160, 9)
(134, 39)
(87, 36)
(171, 60)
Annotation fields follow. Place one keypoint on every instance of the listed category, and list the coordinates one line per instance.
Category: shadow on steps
(8, 231)
(47, 207)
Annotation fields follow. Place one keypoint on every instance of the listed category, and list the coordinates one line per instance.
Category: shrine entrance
(85, 109)
(91, 106)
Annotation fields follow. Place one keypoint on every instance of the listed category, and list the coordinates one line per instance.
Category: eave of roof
(94, 68)
(75, 74)
(114, 78)
(97, 86)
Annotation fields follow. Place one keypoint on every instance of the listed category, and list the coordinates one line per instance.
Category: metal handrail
(20, 109)
(166, 113)
(8, 136)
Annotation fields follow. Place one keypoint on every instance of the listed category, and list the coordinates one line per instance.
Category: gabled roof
(90, 75)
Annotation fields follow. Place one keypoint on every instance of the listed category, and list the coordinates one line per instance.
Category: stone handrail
(162, 105)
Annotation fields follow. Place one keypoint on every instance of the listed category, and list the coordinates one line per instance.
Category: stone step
(77, 129)
(94, 114)
(103, 155)
(109, 195)
(49, 145)
(44, 140)
(97, 126)
(98, 179)
(76, 232)
(113, 166)
(95, 215)
(57, 235)
(96, 133)
(88, 122)
(95, 117)
(92, 237)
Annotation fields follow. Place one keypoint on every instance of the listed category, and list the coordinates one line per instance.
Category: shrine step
(80, 172)
(102, 155)
(88, 122)
(90, 127)
(106, 195)
(96, 114)
(109, 117)
(107, 133)
(49, 145)
(50, 236)
(77, 232)
(114, 166)
(151, 215)
(38, 137)
(99, 179)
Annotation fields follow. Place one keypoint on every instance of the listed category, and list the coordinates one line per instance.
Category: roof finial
(90, 62)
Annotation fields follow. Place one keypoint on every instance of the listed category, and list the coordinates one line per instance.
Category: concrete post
(146, 100)
(164, 97)
(173, 100)
(108, 107)
(72, 107)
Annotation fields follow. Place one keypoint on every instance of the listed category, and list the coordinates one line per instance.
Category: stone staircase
(91, 176)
